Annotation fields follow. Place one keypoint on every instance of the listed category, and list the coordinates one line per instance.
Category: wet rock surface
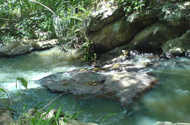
(26, 46)
(88, 85)
(177, 46)
(124, 60)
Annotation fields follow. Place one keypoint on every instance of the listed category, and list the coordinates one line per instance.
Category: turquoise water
(169, 101)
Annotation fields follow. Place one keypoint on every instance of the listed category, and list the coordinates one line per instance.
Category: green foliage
(6, 104)
(68, 25)
(137, 5)
(21, 18)
(88, 51)
(23, 82)
(7, 39)
(69, 116)
(132, 5)
(41, 118)
(3, 90)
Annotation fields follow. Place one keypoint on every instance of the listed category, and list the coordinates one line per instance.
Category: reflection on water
(169, 101)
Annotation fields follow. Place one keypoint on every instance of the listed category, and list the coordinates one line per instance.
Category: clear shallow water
(169, 101)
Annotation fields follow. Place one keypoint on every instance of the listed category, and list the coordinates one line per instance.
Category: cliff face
(147, 30)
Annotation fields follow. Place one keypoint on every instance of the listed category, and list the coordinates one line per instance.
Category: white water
(33, 67)
(168, 102)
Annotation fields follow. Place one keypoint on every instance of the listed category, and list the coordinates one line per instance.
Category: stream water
(169, 101)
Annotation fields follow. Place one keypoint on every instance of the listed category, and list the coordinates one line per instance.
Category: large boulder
(118, 30)
(114, 30)
(105, 13)
(25, 46)
(15, 48)
(177, 46)
(152, 37)
(87, 85)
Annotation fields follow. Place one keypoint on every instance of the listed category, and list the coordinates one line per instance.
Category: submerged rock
(26, 46)
(87, 85)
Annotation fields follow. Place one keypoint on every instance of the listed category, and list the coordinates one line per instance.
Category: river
(169, 101)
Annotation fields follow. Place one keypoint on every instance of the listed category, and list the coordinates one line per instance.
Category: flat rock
(87, 85)
(26, 46)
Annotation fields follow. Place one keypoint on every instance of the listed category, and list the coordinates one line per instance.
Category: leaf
(23, 81)
(83, 9)
(3, 90)
(58, 113)
(75, 115)
(33, 121)
(76, 18)
(49, 109)
(109, 115)
(65, 120)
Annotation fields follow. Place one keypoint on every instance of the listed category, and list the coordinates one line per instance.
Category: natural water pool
(169, 101)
